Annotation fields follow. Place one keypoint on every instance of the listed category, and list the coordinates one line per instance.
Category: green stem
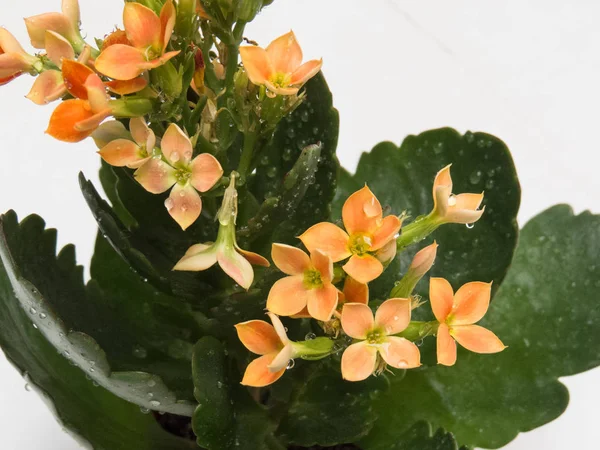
(250, 139)
(233, 51)
(417, 231)
(417, 331)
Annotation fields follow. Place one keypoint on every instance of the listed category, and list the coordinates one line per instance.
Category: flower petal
(142, 26)
(276, 90)
(64, 119)
(127, 87)
(355, 292)
(12, 65)
(288, 296)
(279, 328)
(285, 53)
(176, 146)
(446, 347)
(47, 87)
(156, 176)
(290, 260)
(58, 48)
(441, 297)
(8, 43)
(390, 226)
(443, 179)
(468, 201)
(206, 172)
(306, 71)
(254, 258)
(110, 131)
(323, 264)
(330, 239)
(258, 373)
(92, 123)
(471, 302)
(322, 302)
(400, 353)
(282, 360)
(236, 266)
(70, 8)
(358, 361)
(121, 62)
(363, 269)
(168, 16)
(53, 21)
(120, 153)
(357, 320)
(202, 259)
(477, 339)
(423, 260)
(464, 216)
(96, 92)
(362, 212)
(257, 64)
(259, 337)
(393, 315)
(142, 134)
(116, 37)
(76, 75)
(184, 205)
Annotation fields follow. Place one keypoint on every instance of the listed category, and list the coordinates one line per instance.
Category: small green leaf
(546, 312)
(420, 437)
(93, 415)
(75, 318)
(402, 178)
(226, 416)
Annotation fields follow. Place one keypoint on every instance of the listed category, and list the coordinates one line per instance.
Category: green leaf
(328, 410)
(226, 416)
(89, 412)
(98, 332)
(547, 314)
(402, 178)
(420, 437)
(314, 121)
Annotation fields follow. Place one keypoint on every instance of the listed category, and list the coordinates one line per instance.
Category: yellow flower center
(151, 53)
(376, 336)
(360, 244)
(312, 279)
(183, 176)
(280, 79)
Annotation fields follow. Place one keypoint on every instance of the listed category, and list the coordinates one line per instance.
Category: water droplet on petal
(470, 225)
(169, 204)
(32, 310)
(291, 364)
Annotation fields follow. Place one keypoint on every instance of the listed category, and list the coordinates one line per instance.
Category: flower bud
(421, 263)
(248, 9)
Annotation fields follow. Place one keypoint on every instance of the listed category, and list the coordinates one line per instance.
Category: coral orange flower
(457, 314)
(133, 152)
(14, 61)
(354, 292)
(367, 232)
(278, 67)
(273, 346)
(307, 286)
(450, 208)
(234, 261)
(76, 119)
(185, 175)
(149, 36)
(65, 24)
(377, 347)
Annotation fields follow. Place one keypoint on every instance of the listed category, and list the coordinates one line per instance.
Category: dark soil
(182, 426)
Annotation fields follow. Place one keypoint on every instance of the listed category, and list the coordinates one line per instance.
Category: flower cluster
(364, 248)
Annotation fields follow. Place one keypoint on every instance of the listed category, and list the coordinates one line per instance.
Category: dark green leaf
(420, 437)
(547, 314)
(402, 178)
(76, 318)
(226, 416)
(89, 412)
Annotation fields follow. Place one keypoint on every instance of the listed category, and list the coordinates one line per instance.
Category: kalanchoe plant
(226, 205)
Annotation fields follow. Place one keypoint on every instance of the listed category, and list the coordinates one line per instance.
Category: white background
(525, 71)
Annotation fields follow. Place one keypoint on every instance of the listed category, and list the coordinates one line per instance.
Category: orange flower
(355, 292)
(279, 67)
(179, 171)
(367, 233)
(65, 24)
(134, 152)
(307, 286)
(457, 314)
(149, 36)
(75, 120)
(272, 343)
(376, 338)
(234, 261)
(450, 208)
(14, 61)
